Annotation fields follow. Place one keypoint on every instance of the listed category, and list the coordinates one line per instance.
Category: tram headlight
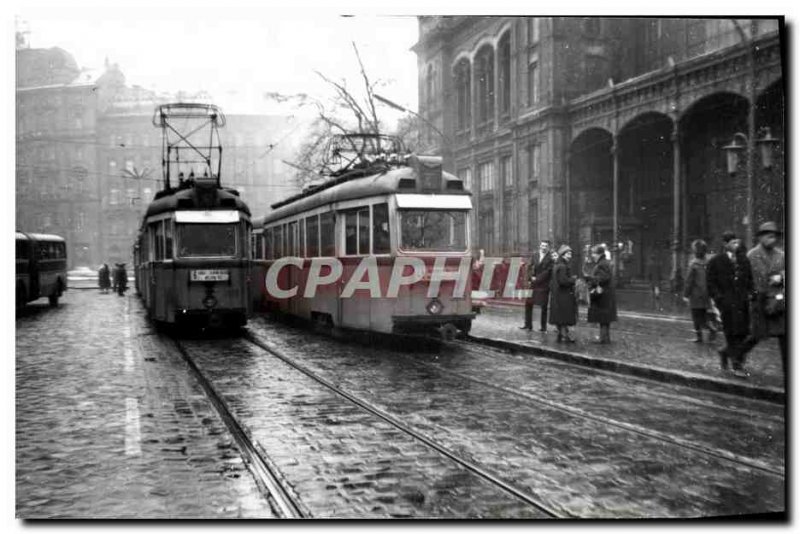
(210, 301)
(435, 307)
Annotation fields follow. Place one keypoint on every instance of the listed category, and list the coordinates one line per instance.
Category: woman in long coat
(695, 291)
(104, 278)
(602, 298)
(563, 304)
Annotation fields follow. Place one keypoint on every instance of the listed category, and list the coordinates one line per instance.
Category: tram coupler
(448, 332)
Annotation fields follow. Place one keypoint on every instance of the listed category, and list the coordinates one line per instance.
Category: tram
(41, 268)
(393, 217)
(191, 256)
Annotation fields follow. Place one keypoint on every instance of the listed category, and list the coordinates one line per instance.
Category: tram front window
(206, 240)
(433, 230)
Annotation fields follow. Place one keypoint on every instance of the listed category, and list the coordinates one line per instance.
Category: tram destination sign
(209, 275)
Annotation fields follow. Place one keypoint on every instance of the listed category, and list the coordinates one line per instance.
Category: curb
(629, 315)
(692, 380)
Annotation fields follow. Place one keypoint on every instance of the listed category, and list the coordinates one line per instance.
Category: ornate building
(89, 157)
(587, 130)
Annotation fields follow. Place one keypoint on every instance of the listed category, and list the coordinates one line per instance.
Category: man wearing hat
(769, 308)
(730, 284)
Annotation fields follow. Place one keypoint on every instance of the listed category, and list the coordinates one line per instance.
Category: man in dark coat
(602, 300)
(539, 272)
(563, 304)
(730, 284)
(104, 278)
(768, 311)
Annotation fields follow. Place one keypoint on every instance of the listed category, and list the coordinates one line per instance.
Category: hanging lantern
(732, 151)
(766, 146)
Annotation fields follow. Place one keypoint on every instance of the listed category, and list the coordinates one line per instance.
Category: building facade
(89, 158)
(587, 130)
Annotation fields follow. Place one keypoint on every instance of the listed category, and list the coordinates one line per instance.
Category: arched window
(463, 95)
(484, 82)
(504, 79)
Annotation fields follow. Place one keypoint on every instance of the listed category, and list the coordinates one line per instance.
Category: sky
(236, 56)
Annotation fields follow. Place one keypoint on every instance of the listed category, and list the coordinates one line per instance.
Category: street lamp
(766, 145)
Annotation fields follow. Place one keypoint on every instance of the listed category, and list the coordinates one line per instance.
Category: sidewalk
(647, 346)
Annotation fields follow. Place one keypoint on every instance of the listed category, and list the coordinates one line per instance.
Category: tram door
(354, 311)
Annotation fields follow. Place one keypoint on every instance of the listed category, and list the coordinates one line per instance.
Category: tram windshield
(207, 240)
(433, 230)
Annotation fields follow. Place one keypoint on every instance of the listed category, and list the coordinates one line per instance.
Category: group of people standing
(549, 276)
(120, 278)
(748, 290)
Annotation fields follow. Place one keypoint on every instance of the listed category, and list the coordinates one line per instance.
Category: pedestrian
(602, 298)
(539, 272)
(120, 279)
(652, 272)
(768, 311)
(730, 285)
(563, 305)
(104, 278)
(695, 291)
(581, 287)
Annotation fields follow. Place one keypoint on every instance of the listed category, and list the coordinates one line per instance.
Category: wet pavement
(111, 425)
(587, 443)
(659, 342)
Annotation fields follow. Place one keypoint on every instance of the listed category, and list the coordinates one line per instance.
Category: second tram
(191, 258)
(384, 210)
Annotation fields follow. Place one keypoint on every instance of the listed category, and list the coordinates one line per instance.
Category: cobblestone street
(112, 423)
(109, 425)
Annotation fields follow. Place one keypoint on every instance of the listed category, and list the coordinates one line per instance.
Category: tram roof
(385, 183)
(186, 199)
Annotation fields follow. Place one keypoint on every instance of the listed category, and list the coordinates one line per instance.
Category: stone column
(676, 198)
(615, 218)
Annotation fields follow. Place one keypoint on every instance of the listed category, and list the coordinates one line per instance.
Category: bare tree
(313, 157)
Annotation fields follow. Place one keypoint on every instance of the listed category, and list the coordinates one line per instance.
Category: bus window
(312, 236)
(327, 231)
(380, 229)
(168, 240)
(363, 231)
(350, 233)
(22, 249)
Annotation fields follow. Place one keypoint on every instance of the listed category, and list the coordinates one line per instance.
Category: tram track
(470, 466)
(637, 429)
(671, 440)
(286, 504)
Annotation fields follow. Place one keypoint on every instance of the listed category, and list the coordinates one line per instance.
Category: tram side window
(168, 239)
(301, 239)
(278, 241)
(312, 236)
(380, 229)
(327, 234)
(292, 239)
(268, 248)
(158, 235)
(351, 233)
(363, 231)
